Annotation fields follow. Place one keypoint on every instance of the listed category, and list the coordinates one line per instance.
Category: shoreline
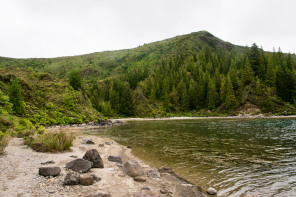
(206, 117)
(20, 164)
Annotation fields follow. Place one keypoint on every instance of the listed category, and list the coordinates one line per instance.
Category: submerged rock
(49, 171)
(93, 156)
(132, 168)
(72, 178)
(79, 165)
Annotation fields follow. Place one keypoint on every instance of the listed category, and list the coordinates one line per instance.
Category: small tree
(230, 97)
(75, 80)
(16, 98)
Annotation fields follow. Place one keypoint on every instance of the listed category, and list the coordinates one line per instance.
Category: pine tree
(270, 76)
(211, 95)
(248, 75)
(230, 97)
(16, 98)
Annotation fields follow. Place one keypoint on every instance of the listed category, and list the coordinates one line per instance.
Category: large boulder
(145, 193)
(132, 168)
(93, 156)
(49, 171)
(79, 165)
(117, 159)
(72, 178)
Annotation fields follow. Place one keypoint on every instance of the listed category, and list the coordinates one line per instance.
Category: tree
(16, 98)
(270, 76)
(211, 95)
(248, 75)
(230, 97)
(75, 80)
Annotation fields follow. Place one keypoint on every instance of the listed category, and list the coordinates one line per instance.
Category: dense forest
(192, 75)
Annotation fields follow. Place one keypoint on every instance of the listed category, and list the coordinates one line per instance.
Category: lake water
(235, 156)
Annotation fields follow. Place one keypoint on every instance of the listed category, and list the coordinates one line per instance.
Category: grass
(51, 141)
(3, 142)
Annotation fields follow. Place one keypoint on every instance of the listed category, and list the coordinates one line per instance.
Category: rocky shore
(94, 167)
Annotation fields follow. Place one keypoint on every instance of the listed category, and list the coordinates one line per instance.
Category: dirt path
(19, 173)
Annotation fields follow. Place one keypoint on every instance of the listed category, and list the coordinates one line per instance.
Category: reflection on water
(236, 157)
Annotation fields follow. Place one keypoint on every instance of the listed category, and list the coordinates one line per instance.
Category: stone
(129, 147)
(47, 162)
(285, 113)
(73, 156)
(86, 179)
(96, 179)
(108, 143)
(145, 188)
(79, 165)
(188, 190)
(117, 159)
(88, 141)
(132, 168)
(93, 156)
(49, 171)
(153, 174)
(72, 178)
(117, 123)
(101, 145)
(164, 191)
(165, 169)
(100, 194)
(145, 193)
(211, 191)
(140, 179)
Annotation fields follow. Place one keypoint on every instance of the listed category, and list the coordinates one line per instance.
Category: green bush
(51, 141)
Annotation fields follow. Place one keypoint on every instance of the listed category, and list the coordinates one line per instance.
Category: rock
(100, 194)
(117, 123)
(211, 191)
(101, 145)
(117, 159)
(73, 156)
(145, 188)
(165, 169)
(49, 171)
(47, 162)
(88, 141)
(140, 179)
(132, 168)
(96, 179)
(153, 174)
(285, 113)
(129, 147)
(164, 191)
(145, 193)
(108, 143)
(93, 156)
(72, 178)
(86, 179)
(79, 165)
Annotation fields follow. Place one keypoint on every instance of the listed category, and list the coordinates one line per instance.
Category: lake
(235, 156)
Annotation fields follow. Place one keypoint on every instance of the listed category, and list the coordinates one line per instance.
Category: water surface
(235, 156)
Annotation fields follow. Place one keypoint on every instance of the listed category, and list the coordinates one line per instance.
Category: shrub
(75, 80)
(51, 141)
(16, 98)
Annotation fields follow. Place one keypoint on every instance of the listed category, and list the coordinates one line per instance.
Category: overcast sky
(52, 28)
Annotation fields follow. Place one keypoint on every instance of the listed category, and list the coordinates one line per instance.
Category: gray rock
(145, 193)
(96, 179)
(93, 156)
(86, 179)
(132, 168)
(140, 179)
(72, 178)
(79, 165)
(153, 174)
(145, 188)
(100, 194)
(108, 143)
(211, 191)
(88, 141)
(49, 171)
(117, 159)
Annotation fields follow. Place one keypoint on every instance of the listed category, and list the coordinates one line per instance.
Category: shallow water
(235, 156)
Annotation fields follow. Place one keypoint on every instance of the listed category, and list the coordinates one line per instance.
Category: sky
(54, 28)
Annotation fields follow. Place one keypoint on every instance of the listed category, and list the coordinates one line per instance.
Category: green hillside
(193, 74)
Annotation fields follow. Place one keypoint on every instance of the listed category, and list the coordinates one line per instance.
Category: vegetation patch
(51, 141)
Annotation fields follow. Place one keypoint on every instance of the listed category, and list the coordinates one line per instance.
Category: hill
(193, 74)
